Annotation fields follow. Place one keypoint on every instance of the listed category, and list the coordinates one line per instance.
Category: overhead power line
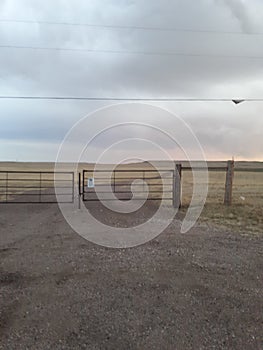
(168, 99)
(125, 52)
(124, 27)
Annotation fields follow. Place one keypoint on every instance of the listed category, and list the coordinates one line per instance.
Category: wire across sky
(12, 46)
(127, 27)
(128, 52)
(87, 50)
(168, 99)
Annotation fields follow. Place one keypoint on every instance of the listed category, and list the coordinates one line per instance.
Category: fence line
(38, 186)
(230, 169)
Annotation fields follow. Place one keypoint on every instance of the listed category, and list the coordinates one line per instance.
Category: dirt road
(200, 290)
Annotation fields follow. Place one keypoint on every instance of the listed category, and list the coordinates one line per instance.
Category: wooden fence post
(177, 186)
(229, 182)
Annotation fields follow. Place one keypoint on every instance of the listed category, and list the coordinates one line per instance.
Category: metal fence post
(40, 186)
(79, 188)
(6, 188)
(229, 182)
(114, 179)
(83, 185)
(73, 186)
(177, 174)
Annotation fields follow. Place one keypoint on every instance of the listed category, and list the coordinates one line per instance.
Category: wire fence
(247, 187)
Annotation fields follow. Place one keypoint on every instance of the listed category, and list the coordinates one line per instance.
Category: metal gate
(157, 185)
(36, 186)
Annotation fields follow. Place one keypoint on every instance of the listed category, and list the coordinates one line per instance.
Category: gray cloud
(240, 12)
(220, 127)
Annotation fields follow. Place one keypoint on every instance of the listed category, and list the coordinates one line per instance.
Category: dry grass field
(246, 213)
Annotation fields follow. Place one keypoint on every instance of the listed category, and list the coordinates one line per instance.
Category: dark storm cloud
(30, 72)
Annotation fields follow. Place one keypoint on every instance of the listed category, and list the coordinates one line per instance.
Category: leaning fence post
(229, 182)
(177, 186)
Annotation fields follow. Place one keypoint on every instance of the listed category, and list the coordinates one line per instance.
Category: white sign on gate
(90, 182)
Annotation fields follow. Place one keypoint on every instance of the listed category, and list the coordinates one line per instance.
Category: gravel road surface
(199, 290)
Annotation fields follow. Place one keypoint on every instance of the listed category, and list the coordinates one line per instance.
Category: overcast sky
(224, 33)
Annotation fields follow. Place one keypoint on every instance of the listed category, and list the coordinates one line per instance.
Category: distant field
(48, 166)
(245, 214)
